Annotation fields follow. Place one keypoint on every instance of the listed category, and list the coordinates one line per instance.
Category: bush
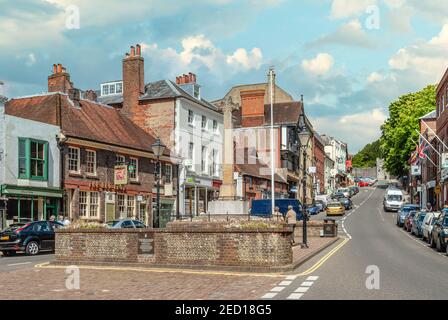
(81, 224)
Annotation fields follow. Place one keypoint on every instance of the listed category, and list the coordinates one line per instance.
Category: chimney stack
(75, 96)
(90, 95)
(133, 80)
(186, 78)
(252, 108)
(59, 81)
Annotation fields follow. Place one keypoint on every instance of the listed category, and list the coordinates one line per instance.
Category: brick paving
(314, 243)
(49, 283)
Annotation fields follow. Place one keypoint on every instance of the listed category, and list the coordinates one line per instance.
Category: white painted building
(337, 151)
(29, 168)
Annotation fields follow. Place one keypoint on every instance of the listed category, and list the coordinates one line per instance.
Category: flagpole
(432, 131)
(428, 142)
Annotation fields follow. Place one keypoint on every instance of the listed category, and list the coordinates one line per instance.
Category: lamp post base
(304, 246)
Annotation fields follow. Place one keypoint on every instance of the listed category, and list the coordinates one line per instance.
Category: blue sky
(350, 58)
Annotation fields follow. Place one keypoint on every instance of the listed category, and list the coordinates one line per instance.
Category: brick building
(185, 122)
(319, 163)
(107, 165)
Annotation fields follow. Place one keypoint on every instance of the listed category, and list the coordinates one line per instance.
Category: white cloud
(348, 34)
(341, 9)
(374, 77)
(320, 65)
(426, 61)
(366, 125)
(198, 51)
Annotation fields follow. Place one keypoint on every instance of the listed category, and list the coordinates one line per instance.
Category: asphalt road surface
(22, 261)
(378, 260)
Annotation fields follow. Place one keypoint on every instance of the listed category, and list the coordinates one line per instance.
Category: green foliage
(398, 132)
(366, 158)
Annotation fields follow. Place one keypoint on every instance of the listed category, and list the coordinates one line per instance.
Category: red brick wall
(133, 83)
(252, 108)
(319, 158)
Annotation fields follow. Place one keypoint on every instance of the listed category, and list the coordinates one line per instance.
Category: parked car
(335, 208)
(404, 211)
(312, 210)
(125, 223)
(355, 189)
(337, 195)
(363, 183)
(393, 200)
(428, 224)
(32, 237)
(345, 192)
(439, 234)
(417, 224)
(409, 220)
(347, 203)
(321, 205)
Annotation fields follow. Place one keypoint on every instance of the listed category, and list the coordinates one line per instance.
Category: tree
(398, 132)
(366, 158)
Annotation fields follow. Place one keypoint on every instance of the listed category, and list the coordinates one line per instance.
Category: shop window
(130, 209)
(33, 159)
(125, 206)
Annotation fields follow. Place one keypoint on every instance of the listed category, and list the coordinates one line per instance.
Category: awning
(31, 191)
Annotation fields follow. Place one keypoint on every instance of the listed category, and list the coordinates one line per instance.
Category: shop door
(110, 212)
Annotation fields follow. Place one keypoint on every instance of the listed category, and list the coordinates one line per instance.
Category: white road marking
(291, 277)
(312, 278)
(277, 289)
(18, 264)
(423, 244)
(382, 218)
(295, 296)
(269, 295)
(307, 284)
(302, 289)
(285, 283)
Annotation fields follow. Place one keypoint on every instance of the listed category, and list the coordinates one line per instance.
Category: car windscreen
(394, 197)
(421, 217)
(112, 223)
(334, 205)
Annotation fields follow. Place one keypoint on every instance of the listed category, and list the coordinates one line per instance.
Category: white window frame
(136, 169)
(130, 199)
(168, 177)
(117, 156)
(118, 85)
(215, 127)
(103, 90)
(78, 161)
(204, 168)
(204, 122)
(191, 153)
(121, 213)
(94, 162)
(86, 197)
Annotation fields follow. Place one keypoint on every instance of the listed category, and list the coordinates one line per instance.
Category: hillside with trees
(366, 158)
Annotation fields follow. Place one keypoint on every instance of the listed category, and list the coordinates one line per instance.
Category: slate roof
(431, 115)
(90, 121)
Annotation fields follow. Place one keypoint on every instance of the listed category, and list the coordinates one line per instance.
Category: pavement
(374, 259)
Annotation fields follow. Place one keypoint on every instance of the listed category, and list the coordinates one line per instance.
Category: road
(407, 268)
(21, 261)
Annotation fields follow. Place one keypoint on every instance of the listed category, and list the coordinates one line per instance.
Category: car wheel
(32, 248)
(438, 246)
(431, 243)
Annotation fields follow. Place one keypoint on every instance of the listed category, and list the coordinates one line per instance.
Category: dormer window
(112, 88)
(197, 91)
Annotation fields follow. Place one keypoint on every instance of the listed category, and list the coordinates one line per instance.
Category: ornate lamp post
(157, 148)
(304, 139)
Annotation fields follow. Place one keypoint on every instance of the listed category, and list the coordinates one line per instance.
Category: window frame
(78, 161)
(215, 126)
(170, 175)
(28, 160)
(204, 122)
(85, 200)
(135, 179)
(191, 117)
(119, 163)
(204, 161)
(94, 173)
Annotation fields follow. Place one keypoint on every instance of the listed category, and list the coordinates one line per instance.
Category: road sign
(438, 189)
(415, 170)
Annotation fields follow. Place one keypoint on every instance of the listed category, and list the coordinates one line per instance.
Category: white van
(393, 200)
(325, 198)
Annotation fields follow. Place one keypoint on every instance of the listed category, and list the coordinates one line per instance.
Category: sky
(349, 58)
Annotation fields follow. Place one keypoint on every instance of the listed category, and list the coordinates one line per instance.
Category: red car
(408, 221)
(363, 184)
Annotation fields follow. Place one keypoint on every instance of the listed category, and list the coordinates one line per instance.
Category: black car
(439, 234)
(31, 237)
(346, 202)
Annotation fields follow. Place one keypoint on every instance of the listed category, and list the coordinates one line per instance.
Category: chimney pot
(59, 68)
(55, 68)
(132, 51)
(139, 50)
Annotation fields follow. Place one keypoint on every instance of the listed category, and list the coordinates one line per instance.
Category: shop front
(198, 193)
(24, 204)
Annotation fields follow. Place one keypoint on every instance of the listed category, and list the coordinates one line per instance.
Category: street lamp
(304, 139)
(157, 148)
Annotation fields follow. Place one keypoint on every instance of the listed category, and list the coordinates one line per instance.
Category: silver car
(428, 224)
(125, 223)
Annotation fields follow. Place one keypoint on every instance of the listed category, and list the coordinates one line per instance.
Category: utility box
(330, 228)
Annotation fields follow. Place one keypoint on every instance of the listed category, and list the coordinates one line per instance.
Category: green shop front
(24, 204)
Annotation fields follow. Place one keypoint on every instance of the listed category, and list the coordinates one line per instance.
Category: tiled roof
(91, 121)
(111, 99)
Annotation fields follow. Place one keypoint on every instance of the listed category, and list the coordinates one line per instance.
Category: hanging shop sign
(120, 175)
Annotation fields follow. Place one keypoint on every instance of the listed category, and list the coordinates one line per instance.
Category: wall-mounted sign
(121, 175)
(415, 170)
(146, 243)
(311, 169)
(444, 160)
